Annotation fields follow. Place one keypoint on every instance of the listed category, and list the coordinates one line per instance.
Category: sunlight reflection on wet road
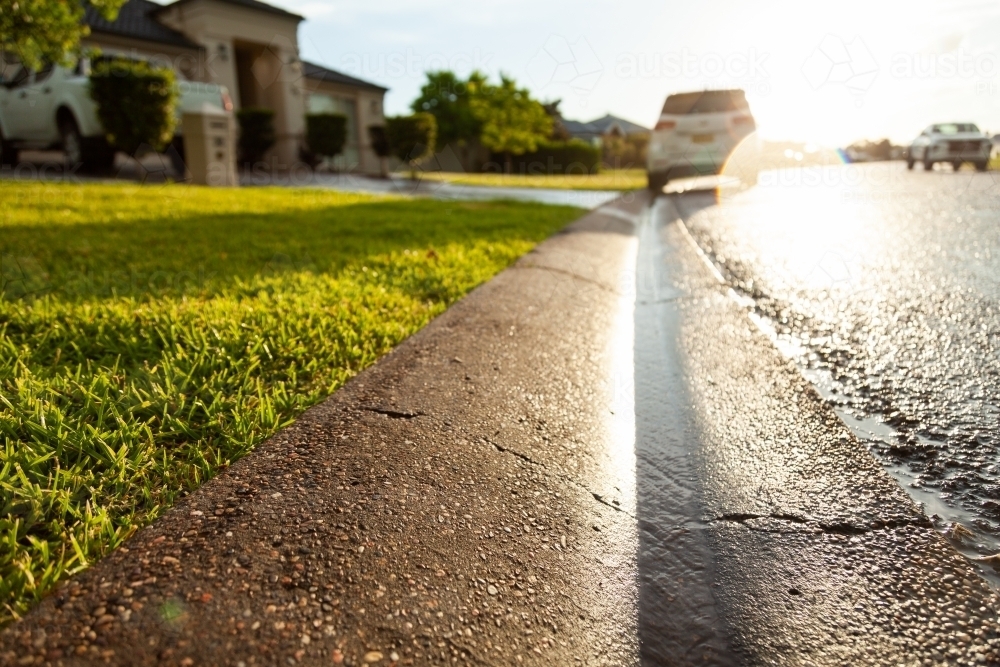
(883, 284)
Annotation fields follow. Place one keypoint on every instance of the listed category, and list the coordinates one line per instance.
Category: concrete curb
(451, 503)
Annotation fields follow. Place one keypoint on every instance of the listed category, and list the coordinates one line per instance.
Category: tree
(559, 131)
(512, 123)
(39, 31)
(411, 138)
(446, 97)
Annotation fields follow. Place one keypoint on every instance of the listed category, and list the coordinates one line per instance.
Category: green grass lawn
(620, 179)
(150, 336)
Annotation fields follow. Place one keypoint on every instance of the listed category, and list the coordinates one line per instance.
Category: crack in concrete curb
(577, 276)
(565, 478)
(389, 412)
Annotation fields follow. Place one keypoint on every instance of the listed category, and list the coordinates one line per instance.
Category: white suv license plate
(702, 138)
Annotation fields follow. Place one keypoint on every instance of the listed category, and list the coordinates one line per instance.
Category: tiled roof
(135, 20)
(320, 73)
(627, 126)
(599, 127)
(250, 4)
(577, 128)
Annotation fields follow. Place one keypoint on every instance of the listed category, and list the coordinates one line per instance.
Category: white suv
(696, 133)
(954, 143)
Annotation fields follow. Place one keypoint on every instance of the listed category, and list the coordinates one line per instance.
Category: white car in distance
(696, 133)
(954, 143)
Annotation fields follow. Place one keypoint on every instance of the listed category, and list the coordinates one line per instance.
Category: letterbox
(210, 146)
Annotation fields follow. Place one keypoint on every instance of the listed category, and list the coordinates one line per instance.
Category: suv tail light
(666, 125)
(227, 101)
(743, 120)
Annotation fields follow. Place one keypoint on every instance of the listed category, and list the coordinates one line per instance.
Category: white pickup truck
(52, 109)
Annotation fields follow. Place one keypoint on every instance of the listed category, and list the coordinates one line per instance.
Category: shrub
(380, 142)
(625, 152)
(256, 133)
(553, 157)
(326, 133)
(136, 103)
(411, 138)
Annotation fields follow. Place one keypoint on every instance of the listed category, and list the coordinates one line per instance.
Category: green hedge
(256, 133)
(411, 137)
(379, 140)
(136, 103)
(326, 133)
(552, 157)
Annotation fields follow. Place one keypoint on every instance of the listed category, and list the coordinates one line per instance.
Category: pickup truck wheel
(981, 166)
(8, 155)
(928, 165)
(92, 154)
(909, 164)
(72, 142)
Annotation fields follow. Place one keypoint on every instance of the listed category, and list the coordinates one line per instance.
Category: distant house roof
(577, 128)
(249, 4)
(600, 127)
(320, 73)
(606, 123)
(135, 19)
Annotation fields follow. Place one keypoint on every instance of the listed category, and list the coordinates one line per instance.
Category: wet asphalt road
(884, 285)
(596, 458)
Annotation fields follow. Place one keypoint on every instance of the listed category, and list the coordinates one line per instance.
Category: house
(595, 131)
(251, 48)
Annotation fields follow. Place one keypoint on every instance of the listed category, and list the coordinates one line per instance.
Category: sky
(817, 71)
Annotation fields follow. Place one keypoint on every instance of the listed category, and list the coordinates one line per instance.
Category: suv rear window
(954, 128)
(706, 101)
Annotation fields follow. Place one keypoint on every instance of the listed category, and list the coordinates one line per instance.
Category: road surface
(884, 286)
